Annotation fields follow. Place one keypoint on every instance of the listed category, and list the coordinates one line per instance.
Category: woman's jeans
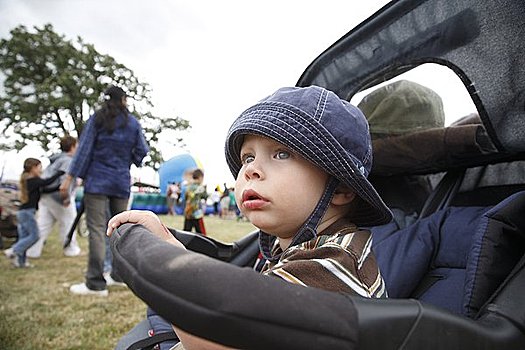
(27, 233)
(95, 207)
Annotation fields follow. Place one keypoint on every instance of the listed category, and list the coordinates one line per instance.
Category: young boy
(300, 158)
(195, 192)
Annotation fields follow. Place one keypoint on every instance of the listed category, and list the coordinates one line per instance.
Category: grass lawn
(38, 312)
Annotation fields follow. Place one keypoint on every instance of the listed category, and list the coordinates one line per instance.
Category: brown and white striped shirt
(339, 259)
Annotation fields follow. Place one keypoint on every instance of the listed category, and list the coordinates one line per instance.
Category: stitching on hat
(314, 154)
(327, 137)
(280, 108)
(325, 102)
(274, 105)
(322, 100)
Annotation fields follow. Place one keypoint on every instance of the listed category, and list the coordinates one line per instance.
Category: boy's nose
(253, 171)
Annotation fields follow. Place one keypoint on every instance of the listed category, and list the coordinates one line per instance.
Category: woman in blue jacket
(111, 141)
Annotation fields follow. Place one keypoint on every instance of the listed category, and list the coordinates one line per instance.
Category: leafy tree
(52, 85)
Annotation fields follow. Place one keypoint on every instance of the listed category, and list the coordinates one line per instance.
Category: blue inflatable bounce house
(173, 170)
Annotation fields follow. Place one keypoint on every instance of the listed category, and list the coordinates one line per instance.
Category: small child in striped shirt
(301, 158)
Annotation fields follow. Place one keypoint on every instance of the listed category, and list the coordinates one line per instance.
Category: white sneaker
(14, 260)
(16, 263)
(82, 289)
(72, 251)
(111, 282)
(9, 253)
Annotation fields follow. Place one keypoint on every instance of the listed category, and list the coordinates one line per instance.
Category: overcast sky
(206, 61)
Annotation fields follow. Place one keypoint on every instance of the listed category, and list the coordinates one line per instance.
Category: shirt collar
(272, 252)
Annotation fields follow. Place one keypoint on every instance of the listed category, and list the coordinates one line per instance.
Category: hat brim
(309, 138)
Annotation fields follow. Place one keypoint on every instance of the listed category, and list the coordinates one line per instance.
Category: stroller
(481, 42)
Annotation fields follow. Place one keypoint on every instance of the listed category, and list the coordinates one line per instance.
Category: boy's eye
(282, 155)
(247, 158)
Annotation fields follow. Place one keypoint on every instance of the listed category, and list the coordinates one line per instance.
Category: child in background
(57, 207)
(225, 204)
(172, 197)
(216, 198)
(193, 213)
(233, 202)
(30, 187)
(301, 158)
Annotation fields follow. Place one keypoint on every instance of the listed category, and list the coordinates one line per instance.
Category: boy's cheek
(239, 188)
(238, 201)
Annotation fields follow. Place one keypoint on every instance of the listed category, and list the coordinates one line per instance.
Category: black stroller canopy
(481, 41)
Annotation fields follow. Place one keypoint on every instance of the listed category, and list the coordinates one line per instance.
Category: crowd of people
(195, 207)
(111, 141)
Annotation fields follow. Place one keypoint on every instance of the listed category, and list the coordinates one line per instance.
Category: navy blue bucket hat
(327, 131)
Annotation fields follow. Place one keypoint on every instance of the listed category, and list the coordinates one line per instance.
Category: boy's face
(198, 180)
(277, 189)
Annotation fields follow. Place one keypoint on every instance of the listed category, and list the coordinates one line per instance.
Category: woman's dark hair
(106, 116)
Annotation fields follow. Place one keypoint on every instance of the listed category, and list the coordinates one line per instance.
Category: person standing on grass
(53, 207)
(193, 213)
(172, 197)
(216, 198)
(111, 141)
(225, 204)
(30, 186)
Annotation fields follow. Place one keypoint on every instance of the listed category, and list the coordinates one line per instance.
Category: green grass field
(38, 312)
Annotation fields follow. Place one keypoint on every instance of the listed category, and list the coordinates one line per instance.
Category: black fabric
(405, 192)
(80, 212)
(498, 245)
(444, 192)
(486, 196)
(507, 301)
(240, 253)
(227, 304)
(412, 325)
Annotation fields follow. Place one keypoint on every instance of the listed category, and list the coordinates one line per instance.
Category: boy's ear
(343, 196)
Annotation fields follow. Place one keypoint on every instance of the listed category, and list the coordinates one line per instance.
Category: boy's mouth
(252, 200)
(249, 195)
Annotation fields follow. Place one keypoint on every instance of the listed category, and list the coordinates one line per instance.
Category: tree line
(51, 85)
